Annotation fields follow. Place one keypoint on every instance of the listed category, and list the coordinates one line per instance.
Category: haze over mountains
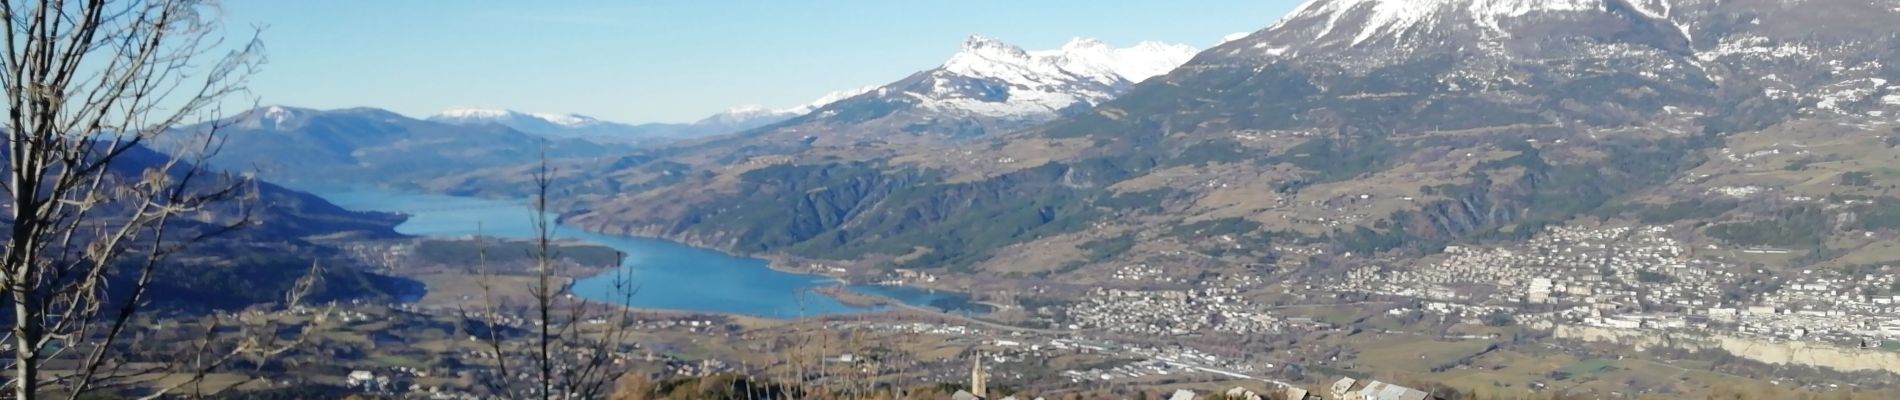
(1352, 126)
(986, 79)
(577, 126)
(545, 124)
(1530, 197)
(367, 146)
(1349, 126)
(986, 85)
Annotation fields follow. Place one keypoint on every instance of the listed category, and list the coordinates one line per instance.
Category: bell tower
(979, 379)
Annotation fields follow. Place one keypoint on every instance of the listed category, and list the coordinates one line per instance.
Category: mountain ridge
(875, 122)
(990, 78)
(569, 125)
(368, 146)
(1435, 131)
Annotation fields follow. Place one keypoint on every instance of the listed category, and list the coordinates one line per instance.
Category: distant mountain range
(551, 125)
(1350, 127)
(986, 86)
(372, 147)
(584, 127)
(987, 79)
(364, 146)
(1346, 131)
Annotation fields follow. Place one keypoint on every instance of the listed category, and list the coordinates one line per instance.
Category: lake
(668, 275)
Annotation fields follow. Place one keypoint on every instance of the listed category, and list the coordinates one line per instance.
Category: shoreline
(855, 299)
(773, 261)
(789, 264)
(837, 289)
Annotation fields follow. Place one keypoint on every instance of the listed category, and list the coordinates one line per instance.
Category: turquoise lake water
(668, 275)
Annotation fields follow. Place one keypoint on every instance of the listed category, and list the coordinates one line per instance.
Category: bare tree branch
(574, 343)
(91, 85)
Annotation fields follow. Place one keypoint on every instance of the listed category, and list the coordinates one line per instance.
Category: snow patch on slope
(1836, 96)
(753, 112)
(1234, 36)
(278, 115)
(827, 99)
(1756, 47)
(273, 117)
(1088, 59)
(1397, 17)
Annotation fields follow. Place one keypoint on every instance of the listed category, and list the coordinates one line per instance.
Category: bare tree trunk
(27, 334)
(88, 82)
(569, 361)
(544, 272)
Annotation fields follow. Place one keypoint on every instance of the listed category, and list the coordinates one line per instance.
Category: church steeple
(979, 379)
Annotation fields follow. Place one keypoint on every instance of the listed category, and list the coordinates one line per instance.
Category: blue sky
(666, 61)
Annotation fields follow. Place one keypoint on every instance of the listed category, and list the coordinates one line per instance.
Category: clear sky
(667, 61)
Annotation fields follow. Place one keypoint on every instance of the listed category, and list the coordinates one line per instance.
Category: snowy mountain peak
(754, 115)
(1133, 64)
(989, 77)
(742, 114)
(981, 44)
(547, 124)
(278, 113)
(748, 109)
(272, 117)
(1379, 18)
(981, 55)
(511, 117)
(1085, 58)
(473, 113)
(568, 120)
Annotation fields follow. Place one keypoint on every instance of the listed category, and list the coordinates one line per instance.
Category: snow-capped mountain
(757, 115)
(1672, 48)
(990, 78)
(490, 115)
(827, 99)
(985, 79)
(745, 114)
(1381, 32)
(1382, 18)
(273, 117)
(286, 118)
(368, 146)
(580, 126)
(1474, 118)
(545, 124)
(987, 86)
